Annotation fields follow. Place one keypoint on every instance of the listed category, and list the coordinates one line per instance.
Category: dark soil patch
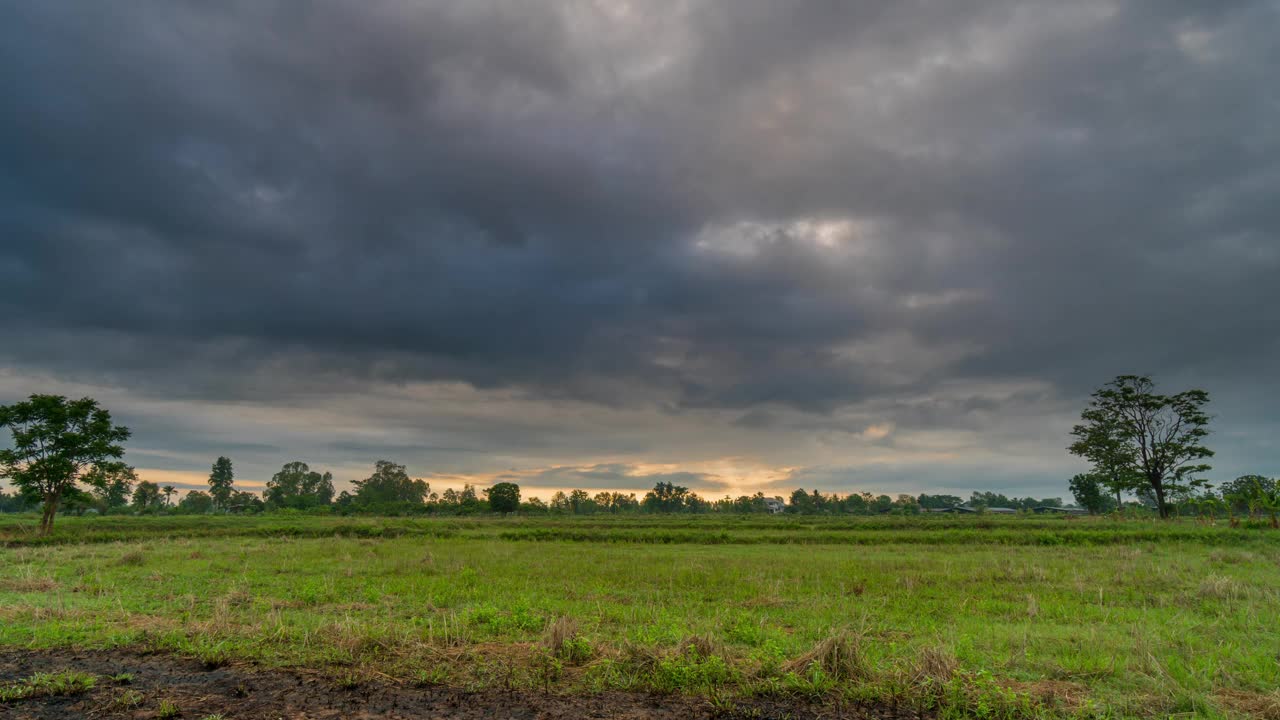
(245, 693)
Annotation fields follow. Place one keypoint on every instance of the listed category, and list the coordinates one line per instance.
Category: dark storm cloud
(753, 206)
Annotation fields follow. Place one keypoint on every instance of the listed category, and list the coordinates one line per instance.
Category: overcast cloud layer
(858, 245)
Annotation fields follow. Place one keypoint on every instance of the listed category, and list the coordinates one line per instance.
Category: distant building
(1040, 510)
(1002, 511)
(775, 505)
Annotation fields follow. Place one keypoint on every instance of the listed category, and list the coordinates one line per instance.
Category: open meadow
(953, 616)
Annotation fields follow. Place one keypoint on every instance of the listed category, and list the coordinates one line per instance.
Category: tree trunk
(50, 509)
(1159, 488)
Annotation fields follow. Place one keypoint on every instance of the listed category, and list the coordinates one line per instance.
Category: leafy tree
(112, 484)
(938, 502)
(389, 483)
(221, 479)
(504, 497)
(12, 502)
(196, 503)
(666, 498)
(580, 503)
(535, 506)
(1101, 441)
(299, 487)
(559, 502)
(1090, 493)
(1242, 490)
(1159, 436)
(245, 501)
(55, 441)
(801, 502)
(147, 496)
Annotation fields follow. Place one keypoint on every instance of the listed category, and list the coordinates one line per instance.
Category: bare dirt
(248, 693)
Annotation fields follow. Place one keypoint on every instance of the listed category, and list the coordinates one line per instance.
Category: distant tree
(389, 483)
(196, 503)
(504, 497)
(244, 501)
(168, 491)
(1089, 491)
(580, 503)
(1245, 492)
(221, 481)
(881, 504)
(534, 506)
(938, 502)
(906, 505)
(1100, 440)
(12, 503)
(666, 498)
(801, 503)
(299, 487)
(55, 441)
(112, 484)
(1160, 436)
(559, 502)
(147, 496)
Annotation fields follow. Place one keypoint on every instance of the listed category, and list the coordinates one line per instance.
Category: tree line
(67, 455)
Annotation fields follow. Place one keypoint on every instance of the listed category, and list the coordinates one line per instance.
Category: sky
(740, 245)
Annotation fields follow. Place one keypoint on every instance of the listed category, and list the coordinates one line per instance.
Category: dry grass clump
(933, 666)
(132, 558)
(839, 657)
(26, 585)
(1220, 587)
(702, 646)
(560, 636)
(1263, 706)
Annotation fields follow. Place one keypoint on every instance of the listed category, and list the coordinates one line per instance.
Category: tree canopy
(299, 487)
(55, 442)
(221, 481)
(1159, 438)
(504, 497)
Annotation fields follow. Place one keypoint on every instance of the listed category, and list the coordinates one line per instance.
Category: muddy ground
(246, 693)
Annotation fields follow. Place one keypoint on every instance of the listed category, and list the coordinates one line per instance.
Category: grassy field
(969, 616)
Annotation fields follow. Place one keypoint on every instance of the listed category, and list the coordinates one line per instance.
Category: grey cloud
(781, 214)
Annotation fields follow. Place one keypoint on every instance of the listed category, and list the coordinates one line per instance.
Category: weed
(168, 709)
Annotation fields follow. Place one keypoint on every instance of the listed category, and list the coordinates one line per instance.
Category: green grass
(974, 617)
(66, 682)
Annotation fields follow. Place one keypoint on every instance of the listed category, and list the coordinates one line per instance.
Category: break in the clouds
(743, 245)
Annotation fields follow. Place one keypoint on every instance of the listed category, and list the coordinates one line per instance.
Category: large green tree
(1160, 437)
(148, 496)
(504, 497)
(1101, 441)
(299, 487)
(389, 483)
(112, 484)
(1089, 490)
(55, 442)
(221, 479)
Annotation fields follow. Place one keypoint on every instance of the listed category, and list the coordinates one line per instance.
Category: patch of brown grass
(933, 666)
(1263, 706)
(840, 656)
(25, 585)
(133, 558)
(702, 645)
(1053, 693)
(559, 635)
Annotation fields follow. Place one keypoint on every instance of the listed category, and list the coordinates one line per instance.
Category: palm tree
(169, 490)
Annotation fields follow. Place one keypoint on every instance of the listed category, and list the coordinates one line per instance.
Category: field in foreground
(972, 617)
